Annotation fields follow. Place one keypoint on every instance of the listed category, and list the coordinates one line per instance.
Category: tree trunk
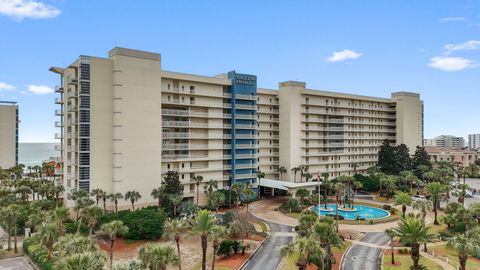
(435, 213)
(15, 238)
(116, 207)
(463, 262)
(326, 197)
(415, 255)
(49, 247)
(177, 240)
(79, 224)
(174, 210)
(111, 252)
(215, 247)
(133, 206)
(393, 251)
(104, 206)
(204, 251)
(9, 245)
(336, 223)
(404, 210)
(197, 193)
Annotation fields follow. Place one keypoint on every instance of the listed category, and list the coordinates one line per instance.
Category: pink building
(452, 154)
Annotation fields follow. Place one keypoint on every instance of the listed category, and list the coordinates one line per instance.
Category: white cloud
(344, 55)
(468, 45)
(451, 63)
(39, 89)
(6, 87)
(453, 19)
(20, 9)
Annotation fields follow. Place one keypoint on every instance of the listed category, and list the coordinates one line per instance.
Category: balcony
(58, 124)
(245, 116)
(228, 126)
(245, 97)
(245, 107)
(245, 146)
(58, 136)
(58, 147)
(175, 146)
(58, 101)
(58, 89)
(174, 135)
(245, 156)
(227, 95)
(245, 166)
(246, 136)
(59, 112)
(246, 176)
(177, 101)
(242, 126)
(72, 108)
(175, 123)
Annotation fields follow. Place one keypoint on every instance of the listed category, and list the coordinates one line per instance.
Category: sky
(368, 47)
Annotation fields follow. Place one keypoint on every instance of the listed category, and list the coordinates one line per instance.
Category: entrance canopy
(290, 187)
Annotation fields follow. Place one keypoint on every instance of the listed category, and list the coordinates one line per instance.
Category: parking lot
(472, 183)
(19, 263)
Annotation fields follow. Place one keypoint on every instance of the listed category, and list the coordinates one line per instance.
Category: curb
(348, 250)
(257, 249)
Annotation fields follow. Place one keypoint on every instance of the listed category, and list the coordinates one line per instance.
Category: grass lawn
(264, 226)
(406, 262)
(436, 229)
(290, 263)
(294, 215)
(443, 250)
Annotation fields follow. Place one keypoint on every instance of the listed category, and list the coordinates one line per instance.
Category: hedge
(143, 224)
(37, 253)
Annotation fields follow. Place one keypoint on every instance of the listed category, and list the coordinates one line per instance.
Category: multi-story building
(125, 123)
(447, 141)
(466, 157)
(474, 141)
(8, 134)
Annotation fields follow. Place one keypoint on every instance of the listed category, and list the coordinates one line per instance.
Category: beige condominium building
(8, 134)
(125, 122)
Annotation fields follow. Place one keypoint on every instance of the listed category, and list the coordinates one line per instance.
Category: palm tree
(282, 170)
(114, 198)
(260, 175)
(133, 196)
(324, 233)
(423, 206)
(435, 189)
(97, 194)
(403, 199)
(156, 257)
(295, 170)
(464, 244)
(209, 188)
(59, 216)
(104, 197)
(81, 261)
(175, 200)
(92, 214)
(174, 229)
(159, 194)
(463, 193)
(326, 183)
(73, 244)
(204, 226)
(338, 187)
(248, 194)
(16, 212)
(217, 199)
(308, 252)
(412, 232)
(133, 264)
(392, 234)
(48, 235)
(113, 229)
(238, 188)
(302, 193)
(80, 204)
(217, 232)
(197, 179)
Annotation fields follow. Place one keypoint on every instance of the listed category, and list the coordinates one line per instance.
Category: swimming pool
(362, 211)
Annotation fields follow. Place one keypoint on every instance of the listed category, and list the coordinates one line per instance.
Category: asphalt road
(361, 257)
(268, 256)
(18, 263)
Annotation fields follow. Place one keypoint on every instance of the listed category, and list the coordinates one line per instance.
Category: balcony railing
(58, 100)
(58, 112)
(58, 124)
(58, 136)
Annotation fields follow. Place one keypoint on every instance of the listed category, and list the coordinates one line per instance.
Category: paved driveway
(268, 256)
(366, 257)
(15, 264)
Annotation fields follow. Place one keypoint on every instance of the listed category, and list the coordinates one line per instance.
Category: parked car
(418, 198)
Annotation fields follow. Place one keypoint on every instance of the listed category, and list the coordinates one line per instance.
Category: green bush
(143, 224)
(228, 217)
(369, 183)
(460, 227)
(236, 246)
(226, 248)
(227, 195)
(292, 205)
(71, 227)
(37, 253)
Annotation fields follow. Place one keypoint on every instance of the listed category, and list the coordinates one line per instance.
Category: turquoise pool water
(365, 212)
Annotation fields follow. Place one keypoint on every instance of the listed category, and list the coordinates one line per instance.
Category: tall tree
(411, 232)
(308, 252)
(92, 214)
(404, 200)
(435, 189)
(197, 179)
(392, 234)
(216, 233)
(156, 257)
(115, 197)
(172, 184)
(133, 196)
(260, 176)
(464, 244)
(174, 229)
(403, 161)
(159, 194)
(295, 170)
(386, 158)
(48, 235)
(282, 170)
(114, 229)
(204, 225)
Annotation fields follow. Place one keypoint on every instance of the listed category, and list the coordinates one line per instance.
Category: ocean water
(31, 154)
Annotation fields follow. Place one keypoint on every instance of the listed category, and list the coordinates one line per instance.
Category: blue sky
(369, 47)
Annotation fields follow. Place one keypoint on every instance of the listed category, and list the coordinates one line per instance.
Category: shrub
(404, 188)
(369, 183)
(227, 195)
(292, 205)
(228, 217)
(226, 248)
(37, 253)
(386, 207)
(71, 227)
(143, 224)
(236, 246)
(459, 227)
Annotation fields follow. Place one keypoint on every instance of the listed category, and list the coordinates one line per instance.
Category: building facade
(125, 122)
(8, 134)
(474, 142)
(446, 141)
(465, 156)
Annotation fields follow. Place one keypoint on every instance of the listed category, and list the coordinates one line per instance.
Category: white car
(418, 198)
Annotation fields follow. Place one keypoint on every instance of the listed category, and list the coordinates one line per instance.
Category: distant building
(447, 141)
(464, 156)
(8, 134)
(474, 141)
